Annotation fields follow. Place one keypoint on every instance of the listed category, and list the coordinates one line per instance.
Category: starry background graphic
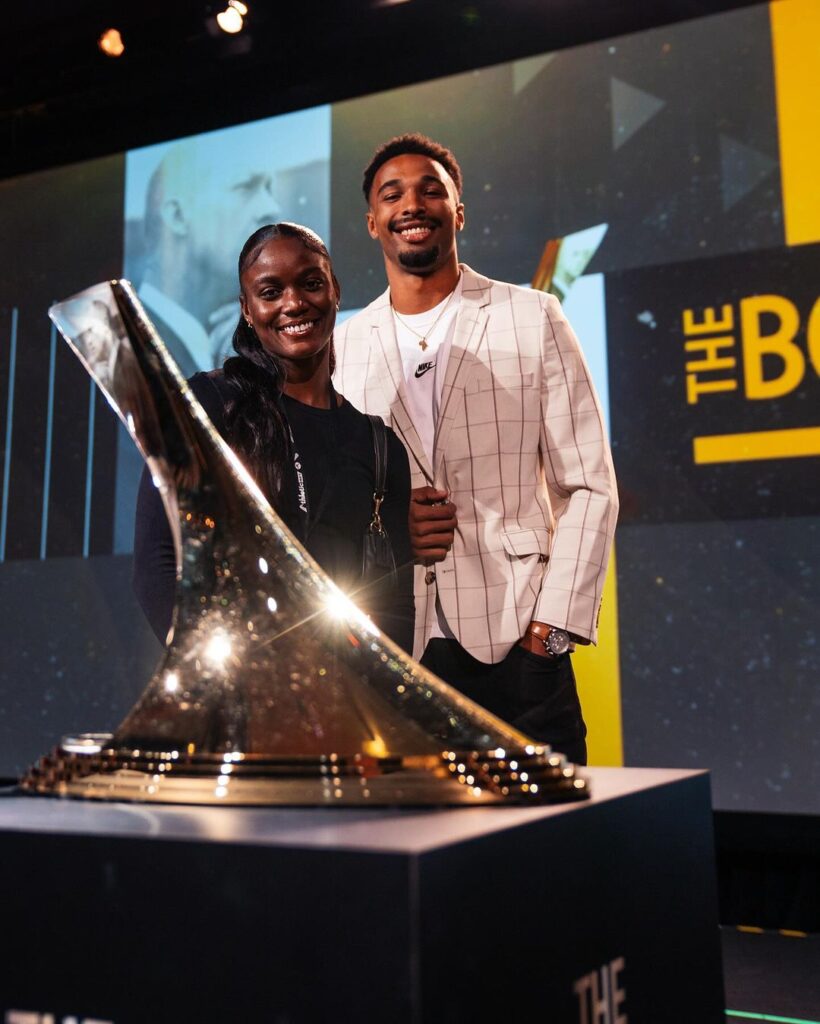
(668, 136)
(720, 659)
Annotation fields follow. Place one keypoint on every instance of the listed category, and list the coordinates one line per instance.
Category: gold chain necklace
(423, 337)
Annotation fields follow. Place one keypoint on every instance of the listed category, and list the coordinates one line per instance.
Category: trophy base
(88, 767)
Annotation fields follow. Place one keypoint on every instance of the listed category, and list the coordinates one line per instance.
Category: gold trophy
(274, 687)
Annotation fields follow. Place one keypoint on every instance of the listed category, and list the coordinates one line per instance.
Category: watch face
(558, 641)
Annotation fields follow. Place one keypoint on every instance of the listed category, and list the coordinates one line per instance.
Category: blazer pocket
(520, 543)
(490, 383)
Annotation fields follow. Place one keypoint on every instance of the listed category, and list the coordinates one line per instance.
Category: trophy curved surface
(274, 687)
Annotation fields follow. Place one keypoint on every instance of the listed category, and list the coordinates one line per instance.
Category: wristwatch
(556, 641)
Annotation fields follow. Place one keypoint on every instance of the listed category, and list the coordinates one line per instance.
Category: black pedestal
(602, 912)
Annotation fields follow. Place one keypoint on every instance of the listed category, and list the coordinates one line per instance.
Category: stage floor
(771, 977)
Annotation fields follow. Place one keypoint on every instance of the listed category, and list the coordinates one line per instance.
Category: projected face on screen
(191, 204)
(198, 214)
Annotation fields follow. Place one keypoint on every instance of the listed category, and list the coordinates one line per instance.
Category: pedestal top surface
(382, 830)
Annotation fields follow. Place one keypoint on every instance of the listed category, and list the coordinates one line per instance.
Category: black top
(337, 460)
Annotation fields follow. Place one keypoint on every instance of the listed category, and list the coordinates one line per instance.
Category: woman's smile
(298, 329)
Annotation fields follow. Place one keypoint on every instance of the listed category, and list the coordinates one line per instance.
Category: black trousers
(535, 694)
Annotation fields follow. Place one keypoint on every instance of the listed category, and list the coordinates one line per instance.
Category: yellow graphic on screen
(796, 443)
(795, 32)
(597, 669)
(761, 347)
(756, 349)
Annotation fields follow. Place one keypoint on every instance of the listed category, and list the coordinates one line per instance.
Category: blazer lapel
(470, 326)
(390, 374)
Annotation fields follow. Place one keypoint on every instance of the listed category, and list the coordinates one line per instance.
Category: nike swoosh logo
(422, 368)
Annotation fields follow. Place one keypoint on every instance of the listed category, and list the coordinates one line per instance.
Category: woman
(308, 449)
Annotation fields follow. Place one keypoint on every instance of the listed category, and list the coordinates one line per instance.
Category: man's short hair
(413, 142)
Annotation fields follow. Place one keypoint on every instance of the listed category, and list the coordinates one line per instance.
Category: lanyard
(302, 497)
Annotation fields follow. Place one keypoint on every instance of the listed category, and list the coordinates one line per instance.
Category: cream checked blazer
(520, 445)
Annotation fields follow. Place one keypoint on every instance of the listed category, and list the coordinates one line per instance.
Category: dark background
(61, 100)
(62, 230)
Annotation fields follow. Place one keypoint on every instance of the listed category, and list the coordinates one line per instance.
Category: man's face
(97, 340)
(414, 212)
(227, 209)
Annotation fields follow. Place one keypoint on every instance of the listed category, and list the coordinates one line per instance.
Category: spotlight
(111, 44)
(232, 19)
(339, 606)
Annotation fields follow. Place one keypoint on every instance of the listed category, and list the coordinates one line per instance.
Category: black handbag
(378, 560)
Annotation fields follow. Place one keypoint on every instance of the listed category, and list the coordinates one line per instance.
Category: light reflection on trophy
(274, 688)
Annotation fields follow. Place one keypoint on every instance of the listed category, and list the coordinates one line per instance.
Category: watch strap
(542, 633)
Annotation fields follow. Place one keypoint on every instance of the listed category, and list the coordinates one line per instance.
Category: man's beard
(419, 259)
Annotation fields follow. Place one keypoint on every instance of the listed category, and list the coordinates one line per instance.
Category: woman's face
(290, 295)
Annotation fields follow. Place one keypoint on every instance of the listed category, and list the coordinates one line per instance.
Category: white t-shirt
(424, 371)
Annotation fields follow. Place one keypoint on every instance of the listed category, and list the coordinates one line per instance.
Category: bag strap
(379, 433)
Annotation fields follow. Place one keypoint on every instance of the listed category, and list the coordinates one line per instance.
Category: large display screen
(668, 169)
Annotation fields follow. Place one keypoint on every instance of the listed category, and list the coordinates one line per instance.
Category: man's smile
(416, 231)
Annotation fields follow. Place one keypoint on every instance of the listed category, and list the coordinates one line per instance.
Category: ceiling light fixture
(111, 44)
(232, 19)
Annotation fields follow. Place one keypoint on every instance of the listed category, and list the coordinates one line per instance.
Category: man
(514, 501)
(202, 202)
